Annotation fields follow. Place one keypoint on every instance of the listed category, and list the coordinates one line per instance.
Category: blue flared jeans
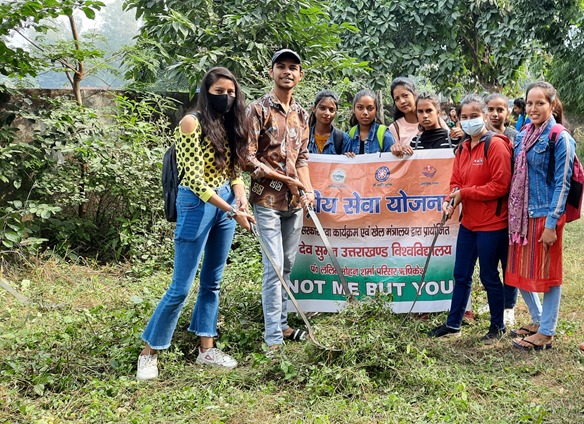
(491, 248)
(200, 228)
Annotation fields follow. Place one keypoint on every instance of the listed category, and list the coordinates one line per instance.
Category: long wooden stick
(19, 296)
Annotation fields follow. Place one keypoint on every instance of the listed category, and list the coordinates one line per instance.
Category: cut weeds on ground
(76, 363)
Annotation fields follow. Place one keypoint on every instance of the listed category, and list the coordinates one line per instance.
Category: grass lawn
(69, 356)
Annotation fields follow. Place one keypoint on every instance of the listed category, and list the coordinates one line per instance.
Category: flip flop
(526, 332)
(581, 346)
(296, 336)
(533, 346)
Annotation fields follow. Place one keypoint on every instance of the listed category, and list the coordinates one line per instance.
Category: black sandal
(526, 332)
(532, 346)
(296, 335)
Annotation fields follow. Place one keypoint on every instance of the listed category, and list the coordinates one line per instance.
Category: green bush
(87, 183)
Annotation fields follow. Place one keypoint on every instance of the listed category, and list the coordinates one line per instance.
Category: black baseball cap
(285, 53)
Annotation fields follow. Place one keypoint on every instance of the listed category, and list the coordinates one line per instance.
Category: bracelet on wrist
(231, 213)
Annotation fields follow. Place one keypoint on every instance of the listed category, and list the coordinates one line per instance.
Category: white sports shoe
(147, 367)
(215, 357)
(509, 317)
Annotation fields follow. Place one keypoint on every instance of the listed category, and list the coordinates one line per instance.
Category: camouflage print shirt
(279, 140)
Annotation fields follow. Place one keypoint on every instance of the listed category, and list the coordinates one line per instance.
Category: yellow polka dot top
(195, 161)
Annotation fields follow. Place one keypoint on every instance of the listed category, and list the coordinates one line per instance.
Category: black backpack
(171, 179)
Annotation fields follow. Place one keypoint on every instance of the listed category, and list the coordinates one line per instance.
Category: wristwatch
(231, 213)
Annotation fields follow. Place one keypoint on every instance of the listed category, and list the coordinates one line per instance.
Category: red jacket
(482, 181)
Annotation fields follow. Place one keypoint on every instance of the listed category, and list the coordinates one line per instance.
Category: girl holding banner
(324, 137)
(405, 125)
(480, 178)
(433, 135)
(366, 133)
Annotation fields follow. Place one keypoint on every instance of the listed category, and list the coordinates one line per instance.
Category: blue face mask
(473, 126)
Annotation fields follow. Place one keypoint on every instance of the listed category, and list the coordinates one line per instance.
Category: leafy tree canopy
(477, 43)
(180, 40)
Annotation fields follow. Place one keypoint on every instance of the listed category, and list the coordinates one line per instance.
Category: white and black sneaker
(444, 331)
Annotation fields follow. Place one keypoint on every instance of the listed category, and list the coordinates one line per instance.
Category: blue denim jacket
(329, 146)
(371, 144)
(548, 199)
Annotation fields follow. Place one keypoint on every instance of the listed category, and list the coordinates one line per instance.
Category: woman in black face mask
(211, 146)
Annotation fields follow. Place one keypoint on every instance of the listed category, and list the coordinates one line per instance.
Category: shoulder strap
(458, 149)
(197, 115)
(554, 134)
(338, 137)
(416, 140)
(487, 143)
(380, 133)
(352, 131)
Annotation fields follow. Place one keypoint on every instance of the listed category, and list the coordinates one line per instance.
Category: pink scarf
(518, 195)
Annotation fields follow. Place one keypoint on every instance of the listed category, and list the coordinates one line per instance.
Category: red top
(482, 181)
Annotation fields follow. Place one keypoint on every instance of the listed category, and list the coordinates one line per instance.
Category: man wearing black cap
(279, 168)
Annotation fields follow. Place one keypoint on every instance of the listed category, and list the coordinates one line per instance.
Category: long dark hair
(364, 93)
(406, 83)
(233, 126)
(320, 96)
(551, 95)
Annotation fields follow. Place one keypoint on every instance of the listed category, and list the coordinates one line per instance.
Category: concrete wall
(13, 101)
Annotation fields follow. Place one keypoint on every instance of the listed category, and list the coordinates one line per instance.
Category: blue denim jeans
(546, 316)
(280, 232)
(491, 248)
(509, 291)
(200, 227)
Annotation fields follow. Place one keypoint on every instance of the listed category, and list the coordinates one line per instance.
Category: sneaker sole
(146, 378)
(212, 364)
(447, 335)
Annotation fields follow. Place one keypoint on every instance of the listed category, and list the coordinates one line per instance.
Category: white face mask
(473, 126)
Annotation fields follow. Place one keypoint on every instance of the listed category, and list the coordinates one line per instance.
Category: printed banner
(380, 214)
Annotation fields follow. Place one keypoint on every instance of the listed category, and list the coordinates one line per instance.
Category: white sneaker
(147, 367)
(215, 357)
(509, 317)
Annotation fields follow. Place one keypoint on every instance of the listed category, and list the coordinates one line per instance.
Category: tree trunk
(76, 86)
(381, 110)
